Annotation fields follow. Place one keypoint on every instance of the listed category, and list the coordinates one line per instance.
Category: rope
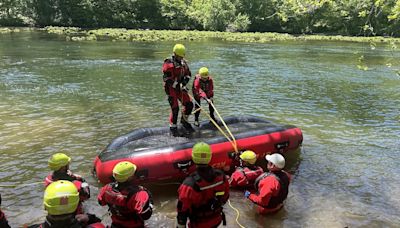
(227, 129)
(237, 214)
(233, 142)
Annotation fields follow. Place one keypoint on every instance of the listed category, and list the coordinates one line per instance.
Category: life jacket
(79, 182)
(118, 199)
(173, 70)
(283, 179)
(213, 206)
(248, 175)
(205, 85)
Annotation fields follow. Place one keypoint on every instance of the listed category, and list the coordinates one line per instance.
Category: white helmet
(277, 159)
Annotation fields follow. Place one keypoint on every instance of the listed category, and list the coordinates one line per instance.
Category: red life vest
(212, 204)
(245, 176)
(118, 200)
(174, 71)
(207, 86)
(283, 180)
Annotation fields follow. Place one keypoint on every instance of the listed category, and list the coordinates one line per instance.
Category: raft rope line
(233, 140)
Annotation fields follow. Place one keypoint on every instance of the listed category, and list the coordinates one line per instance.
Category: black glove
(185, 80)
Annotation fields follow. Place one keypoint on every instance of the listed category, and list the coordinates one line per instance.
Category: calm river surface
(77, 96)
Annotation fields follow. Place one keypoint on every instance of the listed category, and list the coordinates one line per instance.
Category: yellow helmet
(201, 153)
(203, 72)
(249, 156)
(179, 50)
(58, 160)
(123, 170)
(60, 198)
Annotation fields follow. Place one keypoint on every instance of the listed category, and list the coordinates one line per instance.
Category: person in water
(130, 204)
(271, 187)
(176, 75)
(3, 219)
(59, 164)
(202, 195)
(61, 200)
(203, 88)
(246, 172)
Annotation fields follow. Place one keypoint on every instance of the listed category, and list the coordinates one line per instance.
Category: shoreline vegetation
(121, 34)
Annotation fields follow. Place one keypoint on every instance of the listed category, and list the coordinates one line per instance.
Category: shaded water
(76, 97)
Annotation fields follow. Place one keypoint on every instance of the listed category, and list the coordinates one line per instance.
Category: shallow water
(76, 97)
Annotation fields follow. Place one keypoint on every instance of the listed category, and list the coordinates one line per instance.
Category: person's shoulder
(189, 181)
(168, 60)
(287, 174)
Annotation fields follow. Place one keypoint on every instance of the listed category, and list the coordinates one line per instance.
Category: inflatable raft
(160, 156)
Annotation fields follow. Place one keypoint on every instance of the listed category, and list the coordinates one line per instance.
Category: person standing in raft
(272, 187)
(247, 172)
(176, 75)
(203, 88)
(61, 200)
(202, 195)
(130, 205)
(59, 164)
(3, 219)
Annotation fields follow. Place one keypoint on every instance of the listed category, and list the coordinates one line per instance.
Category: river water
(75, 97)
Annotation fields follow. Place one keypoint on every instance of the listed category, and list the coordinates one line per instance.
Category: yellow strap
(226, 127)
(237, 214)
(234, 144)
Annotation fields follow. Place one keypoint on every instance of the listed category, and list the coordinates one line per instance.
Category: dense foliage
(345, 17)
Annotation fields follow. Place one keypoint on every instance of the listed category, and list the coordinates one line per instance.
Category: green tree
(174, 11)
(45, 12)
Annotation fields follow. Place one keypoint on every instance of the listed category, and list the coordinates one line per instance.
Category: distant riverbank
(120, 34)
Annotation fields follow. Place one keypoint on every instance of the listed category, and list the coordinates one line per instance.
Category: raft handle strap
(281, 146)
(183, 165)
(142, 174)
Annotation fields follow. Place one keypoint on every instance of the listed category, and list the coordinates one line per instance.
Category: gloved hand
(174, 84)
(246, 194)
(208, 100)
